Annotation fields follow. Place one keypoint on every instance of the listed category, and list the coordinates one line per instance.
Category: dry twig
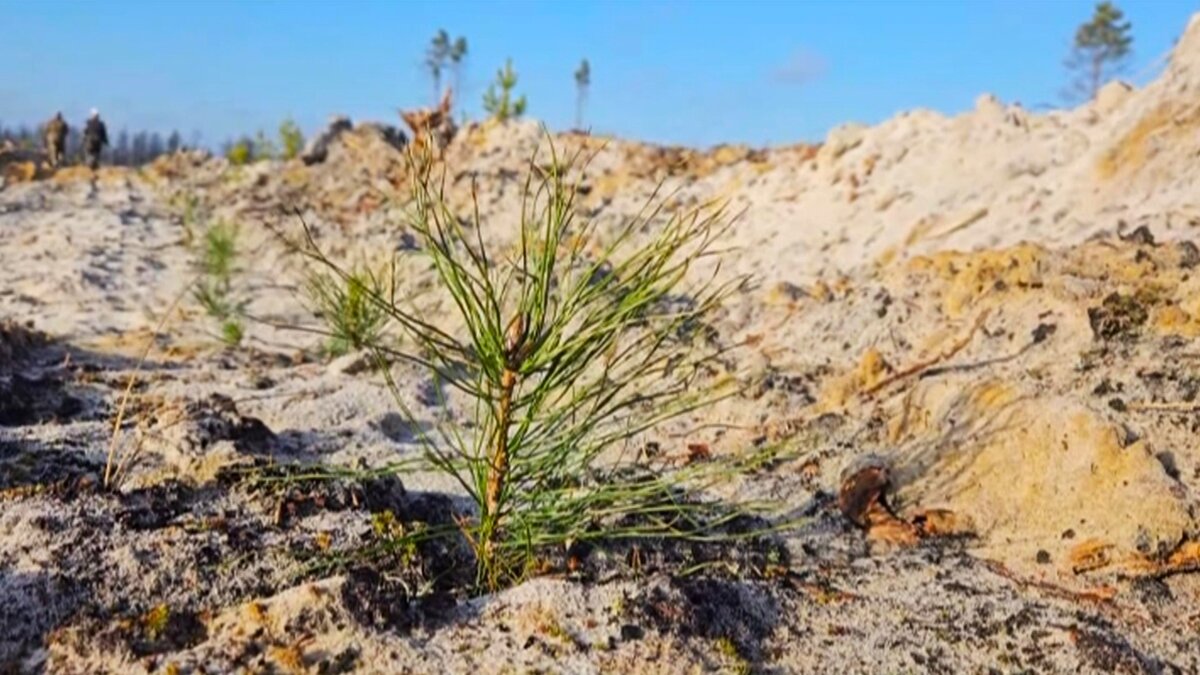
(1169, 406)
(925, 364)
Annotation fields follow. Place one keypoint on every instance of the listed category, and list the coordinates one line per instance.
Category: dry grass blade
(113, 473)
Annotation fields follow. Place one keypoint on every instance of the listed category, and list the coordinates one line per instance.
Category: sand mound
(1043, 396)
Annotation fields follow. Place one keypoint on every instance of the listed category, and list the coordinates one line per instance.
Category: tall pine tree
(583, 80)
(458, 59)
(435, 61)
(1101, 49)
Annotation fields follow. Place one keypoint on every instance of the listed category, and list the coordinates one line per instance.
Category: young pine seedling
(566, 349)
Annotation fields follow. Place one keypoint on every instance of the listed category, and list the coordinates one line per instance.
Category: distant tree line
(126, 149)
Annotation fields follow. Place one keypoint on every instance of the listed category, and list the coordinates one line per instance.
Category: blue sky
(696, 72)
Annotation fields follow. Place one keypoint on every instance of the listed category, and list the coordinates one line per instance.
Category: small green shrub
(232, 331)
(347, 306)
(218, 252)
(240, 153)
(291, 139)
(213, 288)
(213, 298)
(187, 205)
(567, 351)
(498, 100)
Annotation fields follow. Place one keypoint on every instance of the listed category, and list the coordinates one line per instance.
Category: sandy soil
(997, 312)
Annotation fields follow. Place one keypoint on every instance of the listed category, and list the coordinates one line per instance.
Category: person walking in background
(95, 137)
(56, 139)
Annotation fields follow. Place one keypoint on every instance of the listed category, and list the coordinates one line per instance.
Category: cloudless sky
(697, 73)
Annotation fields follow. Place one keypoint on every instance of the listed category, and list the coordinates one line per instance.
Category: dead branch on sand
(925, 364)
